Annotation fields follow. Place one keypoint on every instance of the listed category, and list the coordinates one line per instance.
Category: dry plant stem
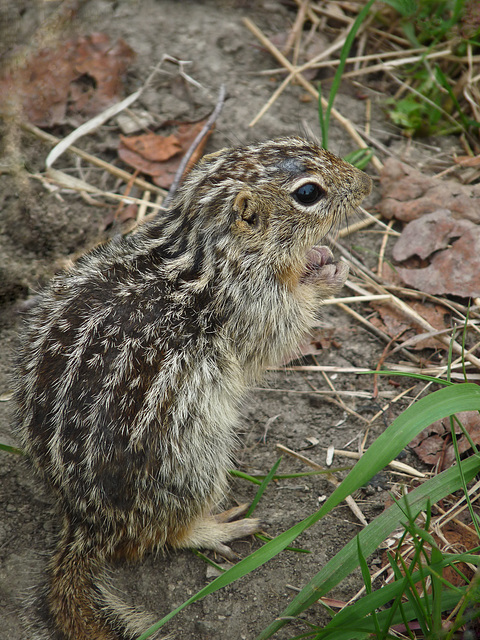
(374, 576)
(388, 153)
(382, 359)
(327, 13)
(454, 519)
(308, 367)
(458, 361)
(272, 98)
(142, 209)
(421, 96)
(394, 464)
(324, 392)
(368, 116)
(328, 476)
(352, 261)
(195, 144)
(411, 314)
(295, 32)
(79, 185)
(316, 62)
(88, 127)
(379, 222)
(339, 399)
(336, 401)
(121, 204)
(383, 246)
(346, 124)
(88, 157)
(350, 299)
(311, 15)
(393, 64)
(357, 226)
(455, 307)
(430, 371)
(455, 509)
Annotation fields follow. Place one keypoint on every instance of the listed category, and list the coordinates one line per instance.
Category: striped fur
(134, 362)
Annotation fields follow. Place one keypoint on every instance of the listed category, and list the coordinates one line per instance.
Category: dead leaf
(460, 540)
(80, 76)
(409, 194)
(455, 270)
(433, 445)
(152, 146)
(430, 233)
(159, 156)
(394, 323)
(321, 338)
(442, 231)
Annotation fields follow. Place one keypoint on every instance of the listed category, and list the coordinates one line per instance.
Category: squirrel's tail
(78, 601)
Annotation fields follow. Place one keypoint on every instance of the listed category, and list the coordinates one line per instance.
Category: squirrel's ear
(244, 207)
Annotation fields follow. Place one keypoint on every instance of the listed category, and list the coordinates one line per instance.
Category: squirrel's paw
(213, 531)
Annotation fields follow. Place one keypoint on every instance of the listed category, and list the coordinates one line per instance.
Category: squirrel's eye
(308, 194)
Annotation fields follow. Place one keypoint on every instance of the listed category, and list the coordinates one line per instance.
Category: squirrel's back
(133, 363)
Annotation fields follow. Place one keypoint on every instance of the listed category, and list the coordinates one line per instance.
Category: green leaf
(262, 488)
(359, 158)
(9, 449)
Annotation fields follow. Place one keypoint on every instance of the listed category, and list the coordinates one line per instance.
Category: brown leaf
(428, 234)
(82, 75)
(160, 156)
(394, 323)
(460, 540)
(152, 146)
(433, 445)
(430, 450)
(96, 57)
(409, 194)
(442, 228)
(137, 161)
(320, 339)
(455, 270)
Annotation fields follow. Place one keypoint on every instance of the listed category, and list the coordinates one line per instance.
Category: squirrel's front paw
(322, 270)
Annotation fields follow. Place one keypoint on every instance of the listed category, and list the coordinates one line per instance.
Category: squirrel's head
(271, 204)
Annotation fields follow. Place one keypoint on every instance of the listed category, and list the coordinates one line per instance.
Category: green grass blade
(262, 488)
(367, 580)
(10, 449)
(235, 473)
(359, 158)
(437, 590)
(405, 374)
(325, 118)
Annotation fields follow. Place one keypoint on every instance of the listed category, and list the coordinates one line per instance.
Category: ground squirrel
(133, 363)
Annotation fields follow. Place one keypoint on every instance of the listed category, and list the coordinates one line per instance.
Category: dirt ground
(39, 230)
